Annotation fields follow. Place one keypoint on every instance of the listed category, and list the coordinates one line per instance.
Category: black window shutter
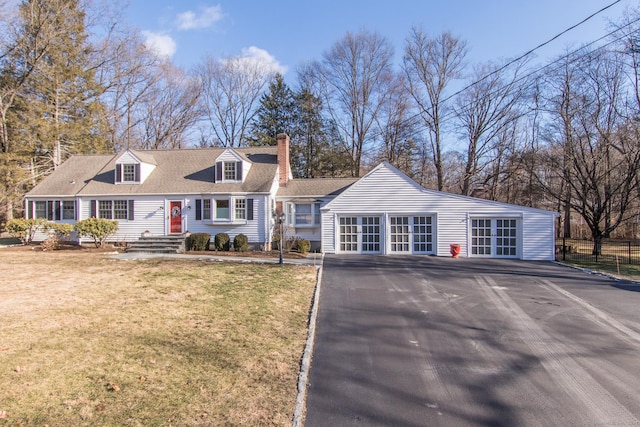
(219, 171)
(136, 169)
(118, 173)
(198, 209)
(76, 214)
(249, 209)
(131, 213)
(57, 210)
(29, 209)
(239, 171)
(94, 209)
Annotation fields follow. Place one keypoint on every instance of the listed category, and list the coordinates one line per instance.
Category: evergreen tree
(315, 151)
(59, 112)
(275, 114)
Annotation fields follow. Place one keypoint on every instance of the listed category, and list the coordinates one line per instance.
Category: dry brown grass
(89, 340)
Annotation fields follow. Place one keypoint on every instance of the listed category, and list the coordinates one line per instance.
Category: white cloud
(206, 17)
(160, 44)
(262, 58)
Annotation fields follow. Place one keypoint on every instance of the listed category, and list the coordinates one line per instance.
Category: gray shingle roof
(315, 187)
(189, 171)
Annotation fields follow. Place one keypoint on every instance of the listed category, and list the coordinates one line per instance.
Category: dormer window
(228, 171)
(127, 173)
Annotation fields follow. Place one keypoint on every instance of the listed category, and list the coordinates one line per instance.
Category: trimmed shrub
(303, 246)
(221, 242)
(198, 242)
(61, 230)
(241, 243)
(99, 229)
(25, 229)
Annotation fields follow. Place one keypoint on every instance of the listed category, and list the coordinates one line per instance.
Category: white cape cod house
(241, 190)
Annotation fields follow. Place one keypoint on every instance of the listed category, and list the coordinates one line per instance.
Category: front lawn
(89, 340)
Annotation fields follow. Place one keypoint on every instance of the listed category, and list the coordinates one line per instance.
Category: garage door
(360, 234)
(410, 234)
(495, 237)
(406, 234)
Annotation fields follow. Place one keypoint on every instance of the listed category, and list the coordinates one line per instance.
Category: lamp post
(281, 223)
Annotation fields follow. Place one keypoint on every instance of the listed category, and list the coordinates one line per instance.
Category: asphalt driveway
(426, 341)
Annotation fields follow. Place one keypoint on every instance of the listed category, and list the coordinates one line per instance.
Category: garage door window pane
(348, 234)
(370, 234)
(422, 234)
(399, 233)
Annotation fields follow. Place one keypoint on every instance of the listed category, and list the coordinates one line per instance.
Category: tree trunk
(597, 245)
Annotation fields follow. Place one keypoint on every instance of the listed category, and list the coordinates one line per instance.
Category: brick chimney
(283, 159)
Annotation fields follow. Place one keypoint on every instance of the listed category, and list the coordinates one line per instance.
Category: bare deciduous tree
(353, 79)
(484, 110)
(231, 89)
(601, 164)
(430, 65)
(170, 110)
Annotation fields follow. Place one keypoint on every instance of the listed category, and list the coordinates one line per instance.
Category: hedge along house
(243, 191)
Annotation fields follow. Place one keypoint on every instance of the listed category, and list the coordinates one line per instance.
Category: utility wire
(536, 71)
(524, 55)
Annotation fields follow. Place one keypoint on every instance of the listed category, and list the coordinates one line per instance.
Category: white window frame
(113, 209)
(313, 214)
(128, 172)
(214, 211)
(206, 210)
(40, 209)
(240, 209)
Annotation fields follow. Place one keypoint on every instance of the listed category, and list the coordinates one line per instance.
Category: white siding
(329, 232)
(148, 215)
(387, 191)
(256, 230)
(127, 158)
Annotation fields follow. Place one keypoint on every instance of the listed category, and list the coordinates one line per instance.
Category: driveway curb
(305, 364)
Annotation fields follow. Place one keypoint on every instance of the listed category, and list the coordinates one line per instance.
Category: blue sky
(289, 33)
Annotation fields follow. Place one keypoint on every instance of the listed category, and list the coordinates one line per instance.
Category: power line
(544, 67)
(524, 55)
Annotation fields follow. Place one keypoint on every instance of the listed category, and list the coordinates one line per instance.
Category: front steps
(159, 244)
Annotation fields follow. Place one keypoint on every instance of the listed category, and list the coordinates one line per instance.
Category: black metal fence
(612, 251)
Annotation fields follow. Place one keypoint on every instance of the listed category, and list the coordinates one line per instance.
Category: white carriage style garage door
(407, 234)
(360, 234)
(497, 237)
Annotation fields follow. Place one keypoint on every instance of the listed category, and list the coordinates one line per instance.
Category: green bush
(241, 243)
(198, 242)
(303, 246)
(25, 229)
(99, 229)
(61, 230)
(221, 242)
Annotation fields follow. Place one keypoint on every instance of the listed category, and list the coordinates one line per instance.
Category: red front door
(176, 217)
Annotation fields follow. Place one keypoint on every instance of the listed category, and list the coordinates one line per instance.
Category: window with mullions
(53, 210)
(105, 209)
(241, 209)
(68, 210)
(128, 173)
(228, 171)
(120, 209)
(40, 210)
(112, 209)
